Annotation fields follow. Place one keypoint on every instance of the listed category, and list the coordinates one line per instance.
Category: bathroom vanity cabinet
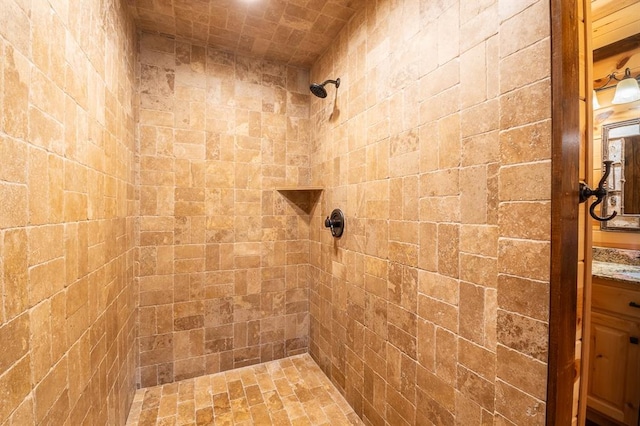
(614, 356)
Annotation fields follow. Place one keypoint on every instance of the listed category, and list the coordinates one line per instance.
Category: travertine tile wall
(223, 257)
(67, 323)
(433, 306)
(291, 32)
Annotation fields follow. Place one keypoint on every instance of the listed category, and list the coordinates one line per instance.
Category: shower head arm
(336, 82)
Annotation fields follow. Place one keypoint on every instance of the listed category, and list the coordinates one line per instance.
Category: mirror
(621, 144)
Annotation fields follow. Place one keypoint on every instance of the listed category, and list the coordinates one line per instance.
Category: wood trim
(601, 11)
(565, 158)
(623, 240)
(625, 45)
(588, 222)
(600, 419)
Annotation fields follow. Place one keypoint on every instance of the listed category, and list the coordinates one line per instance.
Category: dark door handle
(633, 340)
(634, 305)
(600, 192)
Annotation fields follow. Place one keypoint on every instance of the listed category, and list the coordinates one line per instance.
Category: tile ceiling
(295, 32)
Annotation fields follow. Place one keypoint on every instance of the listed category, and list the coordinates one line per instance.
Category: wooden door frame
(565, 159)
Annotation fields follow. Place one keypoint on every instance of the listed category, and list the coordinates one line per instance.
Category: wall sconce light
(627, 89)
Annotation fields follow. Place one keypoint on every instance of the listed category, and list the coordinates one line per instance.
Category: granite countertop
(616, 271)
(616, 264)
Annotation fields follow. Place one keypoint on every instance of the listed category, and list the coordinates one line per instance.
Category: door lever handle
(634, 305)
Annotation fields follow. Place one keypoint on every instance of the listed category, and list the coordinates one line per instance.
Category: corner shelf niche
(303, 197)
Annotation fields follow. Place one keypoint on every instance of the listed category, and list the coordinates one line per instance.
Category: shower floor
(290, 391)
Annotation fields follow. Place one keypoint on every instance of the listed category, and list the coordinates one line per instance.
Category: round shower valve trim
(335, 223)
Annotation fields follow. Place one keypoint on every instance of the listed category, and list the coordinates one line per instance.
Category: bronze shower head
(320, 91)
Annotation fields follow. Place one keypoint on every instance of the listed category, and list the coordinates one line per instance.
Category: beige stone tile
(467, 411)
(524, 258)
(538, 58)
(476, 388)
(446, 355)
(15, 383)
(241, 410)
(16, 334)
(535, 96)
(473, 195)
(23, 414)
(490, 322)
(479, 25)
(15, 97)
(521, 371)
(448, 44)
(441, 182)
(427, 258)
(524, 296)
(440, 313)
(45, 131)
(430, 386)
(15, 157)
(439, 287)
(221, 404)
(48, 390)
(523, 334)
(473, 81)
(168, 405)
(483, 148)
(448, 250)
(449, 101)
(526, 220)
(40, 328)
(426, 344)
(512, 38)
(274, 401)
(15, 214)
(479, 239)
(186, 412)
(477, 359)
(517, 406)
(527, 143)
(481, 118)
(15, 272)
(478, 270)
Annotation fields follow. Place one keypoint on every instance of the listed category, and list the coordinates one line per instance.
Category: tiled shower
(164, 195)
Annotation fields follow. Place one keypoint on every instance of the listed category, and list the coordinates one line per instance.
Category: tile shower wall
(67, 323)
(433, 306)
(223, 258)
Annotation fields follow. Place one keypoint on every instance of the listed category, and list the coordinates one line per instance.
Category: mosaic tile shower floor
(291, 391)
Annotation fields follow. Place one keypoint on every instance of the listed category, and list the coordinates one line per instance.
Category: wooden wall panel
(584, 220)
(614, 20)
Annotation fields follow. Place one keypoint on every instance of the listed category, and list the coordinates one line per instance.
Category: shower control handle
(335, 222)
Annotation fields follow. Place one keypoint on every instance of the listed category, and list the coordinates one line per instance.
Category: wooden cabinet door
(613, 368)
